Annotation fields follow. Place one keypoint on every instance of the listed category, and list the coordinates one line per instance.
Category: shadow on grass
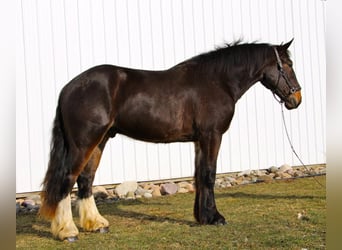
(266, 196)
(114, 210)
(32, 224)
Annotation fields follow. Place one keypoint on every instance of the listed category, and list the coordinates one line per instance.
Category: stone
(272, 169)
(127, 186)
(286, 176)
(100, 192)
(290, 172)
(168, 188)
(298, 173)
(182, 190)
(183, 184)
(130, 195)
(244, 182)
(230, 179)
(244, 173)
(265, 178)
(36, 198)
(140, 191)
(111, 193)
(218, 181)
(284, 168)
(148, 195)
(190, 187)
(271, 175)
(258, 173)
(156, 191)
(28, 202)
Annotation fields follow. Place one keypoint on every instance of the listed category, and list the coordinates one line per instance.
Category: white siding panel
(57, 40)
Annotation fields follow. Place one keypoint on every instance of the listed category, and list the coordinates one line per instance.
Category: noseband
(283, 74)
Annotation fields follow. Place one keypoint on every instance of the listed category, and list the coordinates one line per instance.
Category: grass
(260, 216)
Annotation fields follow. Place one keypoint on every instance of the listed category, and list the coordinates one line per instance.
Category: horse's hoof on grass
(103, 230)
(71, 239)
(221, 223)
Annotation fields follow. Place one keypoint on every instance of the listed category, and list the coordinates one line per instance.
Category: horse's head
(280, 77)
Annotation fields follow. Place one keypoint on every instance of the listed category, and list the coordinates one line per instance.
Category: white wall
(56, 40)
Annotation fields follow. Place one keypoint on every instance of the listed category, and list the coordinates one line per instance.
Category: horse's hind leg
(90, 218)
(62, 224)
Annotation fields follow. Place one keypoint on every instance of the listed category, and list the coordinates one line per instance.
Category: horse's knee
(90, 218)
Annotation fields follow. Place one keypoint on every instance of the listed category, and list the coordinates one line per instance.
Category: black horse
(192, 101)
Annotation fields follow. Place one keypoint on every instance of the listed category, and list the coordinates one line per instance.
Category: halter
(283, 74)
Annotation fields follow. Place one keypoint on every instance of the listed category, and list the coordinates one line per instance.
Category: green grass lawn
(259, 216)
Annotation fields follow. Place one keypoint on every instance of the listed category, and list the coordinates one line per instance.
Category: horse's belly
(162, 126)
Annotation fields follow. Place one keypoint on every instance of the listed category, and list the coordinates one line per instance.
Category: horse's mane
(234, 55)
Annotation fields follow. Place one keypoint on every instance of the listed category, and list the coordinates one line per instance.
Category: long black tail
(54, 188)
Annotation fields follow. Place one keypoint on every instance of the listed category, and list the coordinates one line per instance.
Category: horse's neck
(238, 84)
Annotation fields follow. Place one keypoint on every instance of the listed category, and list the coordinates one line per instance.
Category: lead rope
(290, 142)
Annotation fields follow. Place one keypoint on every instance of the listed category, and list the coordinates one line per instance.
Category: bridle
(283, 74)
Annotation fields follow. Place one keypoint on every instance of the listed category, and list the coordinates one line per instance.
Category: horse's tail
(54, 188)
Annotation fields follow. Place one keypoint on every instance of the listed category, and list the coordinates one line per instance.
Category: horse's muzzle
(293, 100)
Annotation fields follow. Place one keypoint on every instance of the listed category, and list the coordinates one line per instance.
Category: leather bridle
(283, 74)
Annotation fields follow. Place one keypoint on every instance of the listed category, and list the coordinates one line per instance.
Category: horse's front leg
(206, 150)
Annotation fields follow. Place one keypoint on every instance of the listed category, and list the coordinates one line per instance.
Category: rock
(190, 187)
(230, 179)
(284, 168)
(147, 186)
(140, 191)
(271, 175)
(254, 179)
(272, 169)
(183, 184)
(265, 178)
(244, 182)
(168, 188)
(239, 180)
(290, 172)
(148, 195)
(182, 190)
(156, 191)
(286, 176)
(28, 202)
(125, 187)
(298, 173)
(100, 192)
(244, 173)
(111, 193)
(36, 198)
(258, 173)
(218, 181)
(130, 195)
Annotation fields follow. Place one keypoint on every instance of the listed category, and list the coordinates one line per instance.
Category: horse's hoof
(221, 223)
(71, 239)
(103, 230)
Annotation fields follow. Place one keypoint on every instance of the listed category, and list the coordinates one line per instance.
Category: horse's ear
(286, 45)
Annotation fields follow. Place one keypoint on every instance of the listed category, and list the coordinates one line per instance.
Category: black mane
(235, 55)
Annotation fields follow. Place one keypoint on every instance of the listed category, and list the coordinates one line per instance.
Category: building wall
(56, 40)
